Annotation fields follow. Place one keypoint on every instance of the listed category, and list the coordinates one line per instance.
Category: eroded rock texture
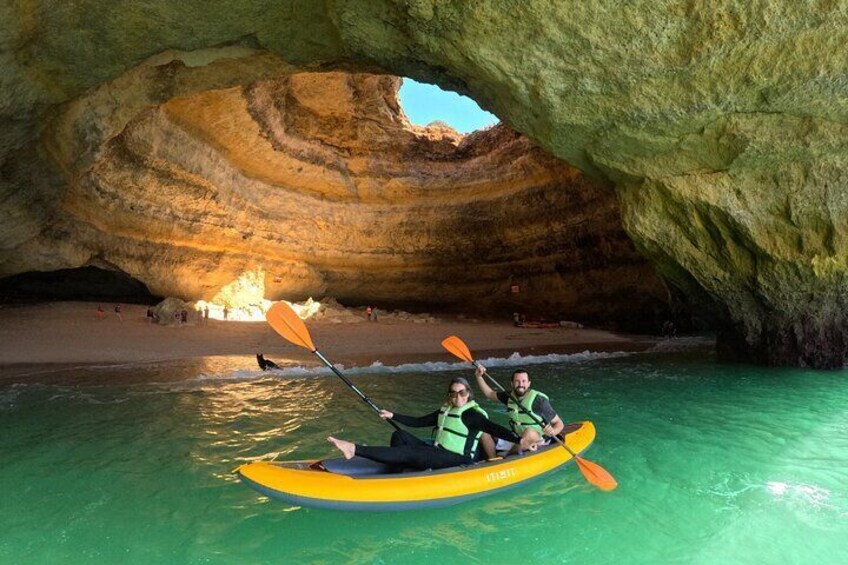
(318, 181)
(719, 123)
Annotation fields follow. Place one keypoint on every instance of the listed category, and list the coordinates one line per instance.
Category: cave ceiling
(718, 127)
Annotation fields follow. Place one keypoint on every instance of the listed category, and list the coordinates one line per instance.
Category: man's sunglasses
(455, 393)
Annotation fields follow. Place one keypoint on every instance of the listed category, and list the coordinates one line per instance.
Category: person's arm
(428, 420)
(481, 382)
(555, 425)
(475, 421)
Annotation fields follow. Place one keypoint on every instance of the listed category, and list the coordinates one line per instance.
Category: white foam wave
(514, 360)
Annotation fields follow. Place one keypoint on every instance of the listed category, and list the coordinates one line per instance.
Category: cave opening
(91, 284)
(319, 180)
(427, 105)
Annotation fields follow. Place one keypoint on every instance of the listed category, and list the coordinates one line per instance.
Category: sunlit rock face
(318, 181)
(720, 124)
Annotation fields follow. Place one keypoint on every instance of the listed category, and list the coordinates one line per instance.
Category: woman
(457, 427)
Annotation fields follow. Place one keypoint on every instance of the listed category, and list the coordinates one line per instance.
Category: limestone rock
(316, 185)
(719, 123)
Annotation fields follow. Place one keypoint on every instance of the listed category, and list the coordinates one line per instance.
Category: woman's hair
(463, 382)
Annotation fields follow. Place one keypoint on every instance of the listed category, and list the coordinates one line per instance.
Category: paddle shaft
(352, 386)
(523, 409)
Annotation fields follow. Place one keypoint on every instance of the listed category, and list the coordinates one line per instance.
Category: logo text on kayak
(501, 475)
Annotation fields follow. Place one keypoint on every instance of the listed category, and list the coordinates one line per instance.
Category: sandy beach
(65, 333)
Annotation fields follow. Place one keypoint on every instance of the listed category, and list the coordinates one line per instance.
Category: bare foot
(347, 448)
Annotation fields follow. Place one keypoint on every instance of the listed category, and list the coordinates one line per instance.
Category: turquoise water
(716, 464)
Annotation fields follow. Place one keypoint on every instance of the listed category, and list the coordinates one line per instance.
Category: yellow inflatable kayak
(361, 484)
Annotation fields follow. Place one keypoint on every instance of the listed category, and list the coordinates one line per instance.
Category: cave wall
(720, 124)
(319, 182)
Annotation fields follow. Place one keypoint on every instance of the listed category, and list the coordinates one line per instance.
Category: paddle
(288, 324)
(592, 472)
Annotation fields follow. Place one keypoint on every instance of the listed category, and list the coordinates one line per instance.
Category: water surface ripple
(717, 463)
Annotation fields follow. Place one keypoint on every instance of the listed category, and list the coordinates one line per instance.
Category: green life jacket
(452, 434)
(518, 420)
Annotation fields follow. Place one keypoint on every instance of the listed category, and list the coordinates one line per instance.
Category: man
(457, 428)
(533, 401)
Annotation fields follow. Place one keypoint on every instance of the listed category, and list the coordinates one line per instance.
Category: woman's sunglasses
(455, 393)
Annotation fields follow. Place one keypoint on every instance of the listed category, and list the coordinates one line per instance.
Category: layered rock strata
(319, 183)
(719, 123)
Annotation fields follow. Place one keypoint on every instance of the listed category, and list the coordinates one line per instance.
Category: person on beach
(368, 313)
(457, 427)
(535, 402)
(265, 364)
(118, 312)
(100, 312)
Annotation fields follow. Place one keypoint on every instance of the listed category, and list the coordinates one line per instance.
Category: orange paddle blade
(596, 474)
(457, 347)
(288, 324)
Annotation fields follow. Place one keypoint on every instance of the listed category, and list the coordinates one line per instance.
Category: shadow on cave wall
(83, 284)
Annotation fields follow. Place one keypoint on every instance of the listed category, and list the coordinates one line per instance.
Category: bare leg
(528, 433)
(488, 446)
(347, 448)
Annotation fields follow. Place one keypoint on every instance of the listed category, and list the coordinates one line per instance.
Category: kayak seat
(357, 467)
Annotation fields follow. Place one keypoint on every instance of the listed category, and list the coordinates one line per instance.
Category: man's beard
(519, 390)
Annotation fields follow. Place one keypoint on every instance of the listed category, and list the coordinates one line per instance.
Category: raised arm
(481, 382)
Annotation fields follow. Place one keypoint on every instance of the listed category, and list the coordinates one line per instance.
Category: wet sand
(69, 333)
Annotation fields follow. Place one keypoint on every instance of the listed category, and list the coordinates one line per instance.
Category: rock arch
(720, 127)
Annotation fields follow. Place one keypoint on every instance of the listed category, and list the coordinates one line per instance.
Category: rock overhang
(186, 177)
(683, 106)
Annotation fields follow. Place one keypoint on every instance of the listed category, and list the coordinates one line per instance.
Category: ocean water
(717, 463)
